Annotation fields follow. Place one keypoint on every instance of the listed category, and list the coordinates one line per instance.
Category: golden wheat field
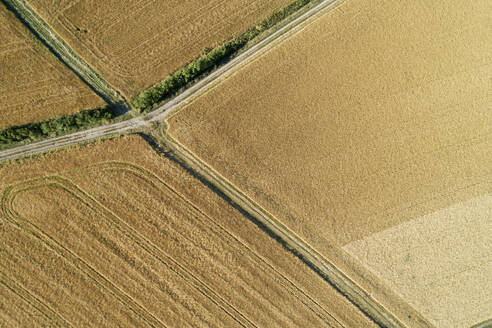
(135, 44)
(371, 123)
(34, 86)
(114, 234)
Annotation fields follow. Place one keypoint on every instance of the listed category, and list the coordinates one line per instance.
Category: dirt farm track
(34, 86)
(135, 44)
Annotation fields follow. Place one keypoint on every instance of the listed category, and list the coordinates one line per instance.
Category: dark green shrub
(56, 126)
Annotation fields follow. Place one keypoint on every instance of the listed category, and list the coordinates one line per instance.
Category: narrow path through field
(316, 261)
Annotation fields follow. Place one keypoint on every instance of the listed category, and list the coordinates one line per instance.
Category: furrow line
(239, 246)
(168, 261)
(92, 204)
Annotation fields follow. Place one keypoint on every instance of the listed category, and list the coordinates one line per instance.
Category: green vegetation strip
(62, 51)
(55, 126)
(150, 98)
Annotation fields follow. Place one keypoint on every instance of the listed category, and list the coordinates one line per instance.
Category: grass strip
(56, 126)
(150, 98)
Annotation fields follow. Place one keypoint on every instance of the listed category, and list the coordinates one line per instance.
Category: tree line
(56, 126)
(149, 98)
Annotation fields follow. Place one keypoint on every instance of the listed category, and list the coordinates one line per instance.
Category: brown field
(34, 85)
(135, 44)
(375, 116)
(114, 234)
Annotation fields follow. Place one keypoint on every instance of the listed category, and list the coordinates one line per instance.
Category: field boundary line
(317, 262)
(64, 52)
(33, 301)
(222, 233)
(72, 259)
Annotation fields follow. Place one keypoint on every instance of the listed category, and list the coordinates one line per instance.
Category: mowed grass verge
(114, 233)
(378, 114)
(34, 86)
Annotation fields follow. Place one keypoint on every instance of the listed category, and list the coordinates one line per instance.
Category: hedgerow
(56, 126)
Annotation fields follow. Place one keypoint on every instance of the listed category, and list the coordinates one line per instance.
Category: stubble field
(115, 234)
(135, 44)
(34, 85)
(371, 122)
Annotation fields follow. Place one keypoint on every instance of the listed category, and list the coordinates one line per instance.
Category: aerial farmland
(171, 254)
(246, 163)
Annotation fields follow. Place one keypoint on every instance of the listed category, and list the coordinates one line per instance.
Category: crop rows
(101, 280)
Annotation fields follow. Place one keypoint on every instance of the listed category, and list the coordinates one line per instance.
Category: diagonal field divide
(316, 261)
(186, 96)
(61, 50)
(153, 250)
(310, 256)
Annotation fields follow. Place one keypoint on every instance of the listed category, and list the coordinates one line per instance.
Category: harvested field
(135, 44)
(375, 115)
(34, 85)
(116, 234)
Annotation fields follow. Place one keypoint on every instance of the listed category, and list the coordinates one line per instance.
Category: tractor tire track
(33, 301)
(317, 262)
(13, 217)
